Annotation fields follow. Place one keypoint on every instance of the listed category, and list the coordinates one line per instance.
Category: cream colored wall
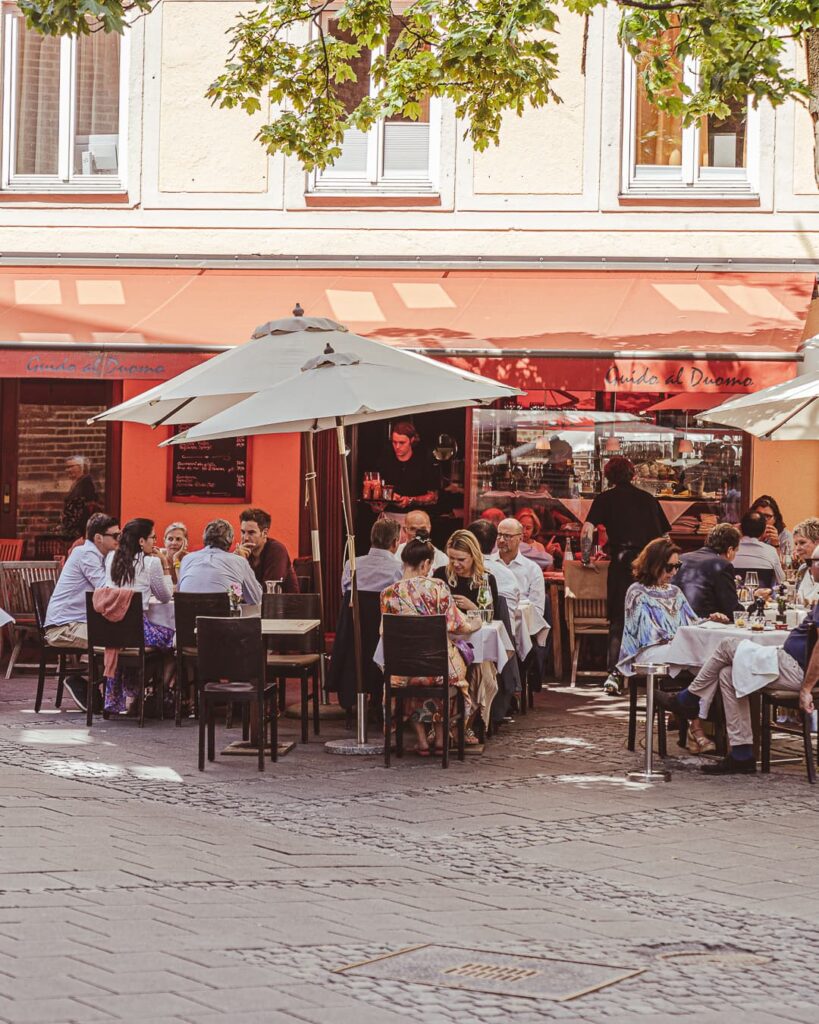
(789, 472)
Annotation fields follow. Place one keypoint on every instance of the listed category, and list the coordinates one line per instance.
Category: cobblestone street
(136, 889)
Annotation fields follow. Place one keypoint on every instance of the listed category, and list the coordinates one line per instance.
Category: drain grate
(492, 972)
(480, 970)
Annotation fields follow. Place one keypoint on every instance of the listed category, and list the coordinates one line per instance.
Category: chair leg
(142, 695)
(767, 712)
(92, 685)
(262, 729)
(662, 736)
(461, 709)
(523, 700)
(316, 701)
(60, 680)
(15, 653)
(445, 757)
(274, 728)
(246, 722)
(211, 735)
(282, 693)
(38, 700)
(808, 748)
(304, 716)
(575, 661)
(632, 714)
(387, 721)
(399, 723)
(180, 686)
(203, 715)
(229, 715)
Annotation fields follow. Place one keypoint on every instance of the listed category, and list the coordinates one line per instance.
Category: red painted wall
(275, 467)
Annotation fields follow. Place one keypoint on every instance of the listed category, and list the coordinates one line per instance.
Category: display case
(552, 462)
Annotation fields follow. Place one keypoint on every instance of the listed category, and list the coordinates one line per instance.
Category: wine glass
(752, 580)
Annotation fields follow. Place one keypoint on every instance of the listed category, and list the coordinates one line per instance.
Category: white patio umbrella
(784, 412)
(334, 390)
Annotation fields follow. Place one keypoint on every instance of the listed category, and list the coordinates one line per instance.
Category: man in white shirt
(419, 520)
(380, 567)
(486, 534)
(752, 552)
(529, 576)
(215, 568)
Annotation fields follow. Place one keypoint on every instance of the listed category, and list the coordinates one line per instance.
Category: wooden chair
(416, 645)
(51, 545)
(11, 549)
(187, 608)
(15, 597)
(586, 609)
(41, 591)
(231, 668)
(129, 636)
(773, 699)
(296, 657)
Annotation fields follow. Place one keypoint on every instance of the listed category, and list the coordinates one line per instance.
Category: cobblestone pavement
(134, 888)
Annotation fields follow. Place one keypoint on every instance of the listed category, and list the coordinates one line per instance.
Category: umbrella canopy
(276, 351)
(784, 412)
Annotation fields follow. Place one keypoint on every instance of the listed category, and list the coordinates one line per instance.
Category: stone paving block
(143, 1006)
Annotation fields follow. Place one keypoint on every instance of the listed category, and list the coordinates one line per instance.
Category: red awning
(687, 401)
(470, 311)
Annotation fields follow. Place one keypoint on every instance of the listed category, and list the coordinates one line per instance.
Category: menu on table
(203, 471)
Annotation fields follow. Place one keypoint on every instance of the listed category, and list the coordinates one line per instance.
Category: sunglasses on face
(114, 536)
(672, 566)
(509, 536)
(811, 561)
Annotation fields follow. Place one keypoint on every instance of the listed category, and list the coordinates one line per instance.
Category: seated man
(84, 571)
(530, 578)
(213, 569)
(268, 558)
(415, 521)
(696, 699)
(486, 533)
(752, 552)
(379, 568)
(706, 577)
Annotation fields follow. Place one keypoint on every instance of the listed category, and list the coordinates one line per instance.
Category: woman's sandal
(470, 739)
(423, 751)
(699, 744)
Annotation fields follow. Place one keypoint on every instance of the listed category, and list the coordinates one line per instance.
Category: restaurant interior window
(552, 459)
(665, 156)
(395, 155)
(63, 110)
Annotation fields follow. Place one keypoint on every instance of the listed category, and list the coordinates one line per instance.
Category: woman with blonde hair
(176, 547)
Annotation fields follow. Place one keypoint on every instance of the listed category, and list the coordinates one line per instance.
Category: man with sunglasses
(84, 570)
(794, 674)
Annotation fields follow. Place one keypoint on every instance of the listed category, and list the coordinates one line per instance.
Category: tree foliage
(486, 56)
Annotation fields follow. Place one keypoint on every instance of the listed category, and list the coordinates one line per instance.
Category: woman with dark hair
(655, 610)
(137, 565)
(776, 533)
(416, 593)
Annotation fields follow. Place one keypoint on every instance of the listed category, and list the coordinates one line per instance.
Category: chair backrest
(11, 549)
(15, 585)
(586, 593)
(415, 645)
(766, 575)
(812, 636)
(128, 632)
(189, 606)
(41, 591)
(231, 649)
(294, 606)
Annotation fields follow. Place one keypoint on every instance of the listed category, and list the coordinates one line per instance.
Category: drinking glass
(752, 580)
(273, 586)
(741, 619)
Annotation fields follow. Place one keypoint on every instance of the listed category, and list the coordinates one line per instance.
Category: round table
(692, 646)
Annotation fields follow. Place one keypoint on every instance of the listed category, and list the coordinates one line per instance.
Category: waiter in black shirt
(632, 517)
(411, 476)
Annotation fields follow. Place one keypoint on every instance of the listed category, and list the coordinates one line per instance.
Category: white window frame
(375, 180)
(65, 181)
(688, 179)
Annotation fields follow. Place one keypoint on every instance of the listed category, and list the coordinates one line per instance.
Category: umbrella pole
(361, 745)
(315, 539)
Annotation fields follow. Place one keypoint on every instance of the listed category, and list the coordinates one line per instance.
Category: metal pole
(315, 538)
(648, 775)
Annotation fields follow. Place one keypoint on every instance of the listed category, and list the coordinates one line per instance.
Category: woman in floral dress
(416, 593)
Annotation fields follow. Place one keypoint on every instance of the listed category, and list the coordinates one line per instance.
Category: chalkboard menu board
(217, 471)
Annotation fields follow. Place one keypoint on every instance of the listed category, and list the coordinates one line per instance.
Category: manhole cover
(479, 970)
(727, 959)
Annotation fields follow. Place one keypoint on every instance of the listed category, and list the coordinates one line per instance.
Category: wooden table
(556, 584)
(289, 627)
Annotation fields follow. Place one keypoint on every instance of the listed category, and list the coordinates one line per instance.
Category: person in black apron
(632, 517)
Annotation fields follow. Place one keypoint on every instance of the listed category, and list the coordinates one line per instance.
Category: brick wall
(48, 434)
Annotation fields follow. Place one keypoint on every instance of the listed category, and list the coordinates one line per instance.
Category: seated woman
(805, 539)
(465, 574)
(655, 610)
(134, 565)
(416, 593)
(176, 547)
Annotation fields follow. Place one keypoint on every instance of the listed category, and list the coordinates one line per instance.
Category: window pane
(96, 121)
(658, 134)
(395, 32)
(37, 103)
(723, 140)
(353, 159)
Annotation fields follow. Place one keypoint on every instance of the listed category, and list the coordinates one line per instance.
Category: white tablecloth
(529, 625)
(490, 643)
(694, 645)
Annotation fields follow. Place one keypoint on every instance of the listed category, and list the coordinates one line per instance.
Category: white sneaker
(613, 685)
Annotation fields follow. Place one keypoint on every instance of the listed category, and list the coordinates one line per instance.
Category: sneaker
(730, 766)
(613, 685)
(77, 686)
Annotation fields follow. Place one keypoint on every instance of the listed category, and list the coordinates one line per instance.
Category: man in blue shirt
(215, 569)
(717, 672)
(380, 567)
(84, 570)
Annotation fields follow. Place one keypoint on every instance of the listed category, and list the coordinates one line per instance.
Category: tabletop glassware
(752, 579)
(741, 619)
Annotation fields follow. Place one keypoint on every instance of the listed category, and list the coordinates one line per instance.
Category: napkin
(754, 667)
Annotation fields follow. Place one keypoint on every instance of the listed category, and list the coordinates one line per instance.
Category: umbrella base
(353, 747)
(326, 711)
